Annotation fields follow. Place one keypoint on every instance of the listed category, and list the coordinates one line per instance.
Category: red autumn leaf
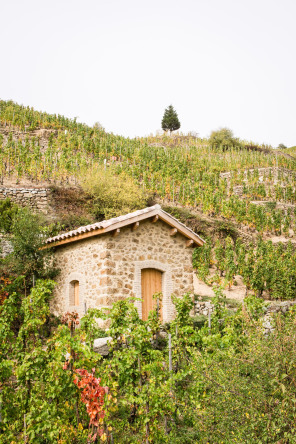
(92, 395)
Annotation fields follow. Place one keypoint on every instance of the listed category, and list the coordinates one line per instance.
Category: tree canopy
(170, 120)
(223, 138)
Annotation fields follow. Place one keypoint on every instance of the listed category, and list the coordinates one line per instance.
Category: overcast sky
(122, 62)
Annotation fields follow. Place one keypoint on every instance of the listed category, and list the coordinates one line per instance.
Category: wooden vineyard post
(173, 191)
(167, 428)
(109, 435)
(147, 403)
(170, 352)
(139, 366)
(25, 429)
(147, 424)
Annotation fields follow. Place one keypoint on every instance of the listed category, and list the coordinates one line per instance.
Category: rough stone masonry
(108, 269)
(37, 199)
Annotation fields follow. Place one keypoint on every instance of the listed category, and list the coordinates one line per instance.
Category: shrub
(8, 210)
(224, 138)
(112, 194)
(26, 233)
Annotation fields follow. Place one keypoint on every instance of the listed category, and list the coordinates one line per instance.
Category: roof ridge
(107, 223)
(102, 224)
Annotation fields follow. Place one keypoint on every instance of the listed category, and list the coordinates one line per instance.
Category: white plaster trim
(75, 276)
(167, 287)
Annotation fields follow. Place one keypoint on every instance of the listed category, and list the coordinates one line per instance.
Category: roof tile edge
(109, 222)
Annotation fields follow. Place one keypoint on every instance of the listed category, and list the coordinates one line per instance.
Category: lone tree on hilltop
(170, 120)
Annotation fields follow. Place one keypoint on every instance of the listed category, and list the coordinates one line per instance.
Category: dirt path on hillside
(237, 292)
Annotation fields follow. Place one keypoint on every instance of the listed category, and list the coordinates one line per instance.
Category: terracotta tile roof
(107, 225)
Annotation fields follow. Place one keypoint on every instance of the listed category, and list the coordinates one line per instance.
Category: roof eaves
(120, 222)
(186, 231)
(105, 226)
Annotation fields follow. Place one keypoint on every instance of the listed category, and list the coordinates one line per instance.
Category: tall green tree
(170, 120)
(26, 233)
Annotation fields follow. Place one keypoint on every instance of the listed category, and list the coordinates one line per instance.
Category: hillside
(190, 378)
(291, 151)
(244, 191)
(43, 148)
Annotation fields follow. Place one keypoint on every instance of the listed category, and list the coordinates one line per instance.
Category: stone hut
(138, 254)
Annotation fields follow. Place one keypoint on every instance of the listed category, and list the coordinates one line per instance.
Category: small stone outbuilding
(138, 254)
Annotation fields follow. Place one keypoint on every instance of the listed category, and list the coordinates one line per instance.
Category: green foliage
(89, 326)
(264, 267)
(112, 194)
(27, 235)
(201, 259)
(249, 392)
(35, 389)
(230, 383)
(184, 174)
(230, 266)
(224, 138)
(207, 396)
(8, 212)
(170, 120)
(255, 307)
(26, 117)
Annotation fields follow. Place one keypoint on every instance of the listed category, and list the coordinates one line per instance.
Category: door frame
(168, 309)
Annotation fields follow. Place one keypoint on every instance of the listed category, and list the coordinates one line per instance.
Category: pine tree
(170, 120)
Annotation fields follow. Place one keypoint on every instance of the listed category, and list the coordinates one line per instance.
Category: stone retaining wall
(277, 176)
(203, 308)
(5, 246)
(41, 135)
(275, 307)
(263, 173)
(37, 199)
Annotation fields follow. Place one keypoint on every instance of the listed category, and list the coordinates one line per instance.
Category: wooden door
(151, 281)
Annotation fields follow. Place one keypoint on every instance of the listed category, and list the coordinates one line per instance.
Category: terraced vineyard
(196, 386)
(184, 169)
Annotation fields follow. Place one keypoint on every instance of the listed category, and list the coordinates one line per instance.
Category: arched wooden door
(151, 282)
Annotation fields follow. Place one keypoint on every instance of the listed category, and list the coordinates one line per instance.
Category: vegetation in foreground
(228, 383)
(224, 383)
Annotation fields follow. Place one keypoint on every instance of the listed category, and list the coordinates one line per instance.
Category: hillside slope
(244, 192)
(41, 147)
